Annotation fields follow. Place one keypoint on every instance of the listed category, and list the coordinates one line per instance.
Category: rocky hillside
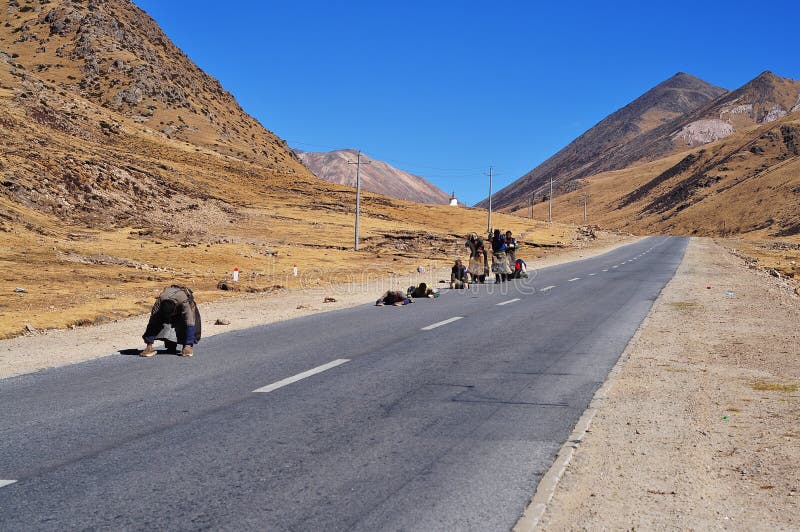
(376, 176)
(745, 184)
(104, 121)
(593, 152)
(761, 101)
(112, 54)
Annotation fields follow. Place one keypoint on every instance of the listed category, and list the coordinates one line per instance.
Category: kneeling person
(175, 320)
(458, 276)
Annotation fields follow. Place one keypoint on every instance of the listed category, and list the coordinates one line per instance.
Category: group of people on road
(175, 320)
(505, 264)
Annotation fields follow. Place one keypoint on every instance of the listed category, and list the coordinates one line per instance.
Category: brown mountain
(594, 151)
(124, 168)
(102, 115)
(376, 176)
(114, 55)
(763, 100)
(746, 184)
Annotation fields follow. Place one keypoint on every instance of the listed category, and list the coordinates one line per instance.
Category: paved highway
(441, 415)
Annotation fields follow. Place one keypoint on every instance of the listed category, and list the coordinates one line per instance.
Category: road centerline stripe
(507, 302)
(574, 279)
(301, 376)
(4, 483)
(440, 323)
(592, 274)
(546, 288)
(605, 270)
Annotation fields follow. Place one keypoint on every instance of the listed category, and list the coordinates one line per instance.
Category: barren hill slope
(764, 99)
(114, 55)
(589, 154)
(746, 184)
(376, 176)
(124, 168)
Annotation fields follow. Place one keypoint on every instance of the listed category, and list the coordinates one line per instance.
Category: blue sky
(445, 89)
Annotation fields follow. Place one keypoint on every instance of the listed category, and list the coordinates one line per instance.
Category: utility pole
(358, 193)
(489, 228)
(585, 201)
(530, 205)
(550, 212)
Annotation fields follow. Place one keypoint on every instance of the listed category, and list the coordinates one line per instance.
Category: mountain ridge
(338, 166)
(586, 154)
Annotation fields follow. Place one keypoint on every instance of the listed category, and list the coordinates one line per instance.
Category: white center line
(440, 323)
(605, 270)
(574, 279)
(4, 483)
(507, 302)
(615, 266)
(592, 274)
(546, 288)
(301, 376)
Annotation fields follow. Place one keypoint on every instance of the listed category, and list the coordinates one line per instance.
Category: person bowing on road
(175, 320)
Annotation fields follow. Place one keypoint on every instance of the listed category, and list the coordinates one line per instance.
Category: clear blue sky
(444, 89)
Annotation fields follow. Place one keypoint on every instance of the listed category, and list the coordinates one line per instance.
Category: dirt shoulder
(701, 427)
(59, 347)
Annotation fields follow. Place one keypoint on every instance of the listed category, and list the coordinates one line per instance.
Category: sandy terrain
(700, 426)
(65, 346)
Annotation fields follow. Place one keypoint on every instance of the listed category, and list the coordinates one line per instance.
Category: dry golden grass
(766, 386)
(757, 194)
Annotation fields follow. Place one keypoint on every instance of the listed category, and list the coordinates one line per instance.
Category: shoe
(187, 351)
(148, 351)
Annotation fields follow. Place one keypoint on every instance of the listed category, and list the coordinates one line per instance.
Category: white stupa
(453, 200)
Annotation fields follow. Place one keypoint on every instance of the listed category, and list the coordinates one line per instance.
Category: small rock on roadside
(20, 290)
(31, 329)
(329, 300)
(222, 321)
(300, 307)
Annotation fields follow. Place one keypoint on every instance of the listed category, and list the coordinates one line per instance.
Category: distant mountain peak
(376, 176)
(597, 149)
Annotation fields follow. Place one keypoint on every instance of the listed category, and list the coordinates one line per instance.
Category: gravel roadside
(701, 426)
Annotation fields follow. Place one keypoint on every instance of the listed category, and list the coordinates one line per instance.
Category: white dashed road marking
(301, 376)
(615, 266)
(507, 302)
(605, 270)
(546, 288)
(440, 323)
(592, 274)
(4, 483)
(574, 279)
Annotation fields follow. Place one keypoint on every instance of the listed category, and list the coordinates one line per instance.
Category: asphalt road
(404, 426)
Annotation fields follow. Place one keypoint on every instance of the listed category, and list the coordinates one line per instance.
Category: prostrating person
(175, 320)
(393, 297)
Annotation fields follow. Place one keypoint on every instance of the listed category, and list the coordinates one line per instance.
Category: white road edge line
(574, 279)
(546, 288)
(507, 302)
(301, 376)
(440, 323)
(4, 483)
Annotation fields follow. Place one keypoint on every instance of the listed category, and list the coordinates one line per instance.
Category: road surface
(441, 415)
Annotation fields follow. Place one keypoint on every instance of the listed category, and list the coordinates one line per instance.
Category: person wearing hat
(175, 320)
